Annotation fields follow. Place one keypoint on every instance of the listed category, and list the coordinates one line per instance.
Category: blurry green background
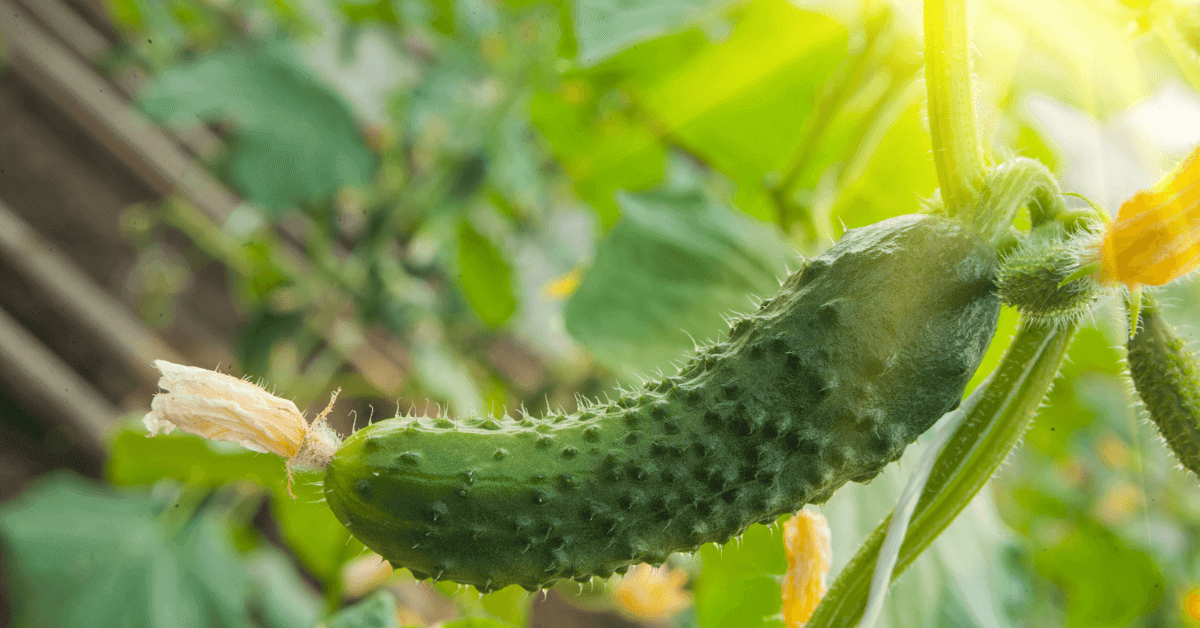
(472, 205)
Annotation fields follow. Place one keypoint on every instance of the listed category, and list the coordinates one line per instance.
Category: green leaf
(296, 140)
(742, 103)
(601, 150)
(312, 531)
(1073, 564)
(258, 335)
(485, 277)
(79, 554)
(738, 585)
(282, 598)
(606, 27)
(895, 176)
(376, 11)
(477, 622)
(510, 604)
(675, 264)
(375, 611)
(125, 13)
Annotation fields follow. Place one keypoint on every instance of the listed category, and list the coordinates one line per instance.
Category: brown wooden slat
(96, 103)
(44, 381)
(70, 27)
(108, 321)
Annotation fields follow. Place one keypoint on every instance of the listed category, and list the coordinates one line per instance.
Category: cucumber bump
(861, 351)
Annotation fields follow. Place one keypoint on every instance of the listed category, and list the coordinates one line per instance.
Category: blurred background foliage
(538, 200)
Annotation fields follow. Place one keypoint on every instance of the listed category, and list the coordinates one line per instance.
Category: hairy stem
(972, 455)
(953, 125)
(1011, 186)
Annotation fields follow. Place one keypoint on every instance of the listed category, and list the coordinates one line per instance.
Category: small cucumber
(1165, 375)
(861, 351)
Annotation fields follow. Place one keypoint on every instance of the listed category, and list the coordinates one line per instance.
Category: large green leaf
(296, 139)
(670, 270)
(360, 12)
(376, 611)
(1078, 565)
(282, 599)
(742, 103)
(738, 586)
(476, 622)
(79, 554)
(319, 540)
(606, 27)
(601, 148)
(893, 178)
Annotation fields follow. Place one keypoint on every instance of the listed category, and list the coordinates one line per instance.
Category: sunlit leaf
(510, 604)
(750, 567)
(742, 102)
(894, 178)
(476, 622)
(360, 11)
(605, 27)
(601, 151)
(675, 264)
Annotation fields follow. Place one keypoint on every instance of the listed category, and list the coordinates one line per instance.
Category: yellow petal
(564, 286)
(1156, 236)
(652, 593)
(806, 541)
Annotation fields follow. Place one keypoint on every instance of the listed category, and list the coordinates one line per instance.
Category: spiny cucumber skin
(1029, 277)
(860, 352)
(1164, 374)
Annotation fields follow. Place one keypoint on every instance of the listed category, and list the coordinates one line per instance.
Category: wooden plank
(98, 105)
(69, 290)
(102, 110)
(42, 379)
(70, 27)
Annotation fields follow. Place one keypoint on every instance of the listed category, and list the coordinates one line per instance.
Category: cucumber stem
(953, 125)
(991, 429)
(1011, 186)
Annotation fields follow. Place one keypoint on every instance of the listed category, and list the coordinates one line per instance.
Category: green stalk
(953, 126)
(1011, 186)
(991, 429)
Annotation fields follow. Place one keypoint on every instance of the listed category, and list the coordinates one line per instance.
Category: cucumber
(1167, 378)
(860, 352)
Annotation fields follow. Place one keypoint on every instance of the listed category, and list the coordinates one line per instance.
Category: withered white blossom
(220, 407)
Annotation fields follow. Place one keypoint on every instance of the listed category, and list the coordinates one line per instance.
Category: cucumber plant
(861, 351)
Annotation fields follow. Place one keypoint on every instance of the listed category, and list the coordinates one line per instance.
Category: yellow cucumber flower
(806, 541)
(648, 592)
(1156, 236)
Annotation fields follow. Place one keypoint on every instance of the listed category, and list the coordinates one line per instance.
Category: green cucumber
(861, 351)
(1167, 379)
